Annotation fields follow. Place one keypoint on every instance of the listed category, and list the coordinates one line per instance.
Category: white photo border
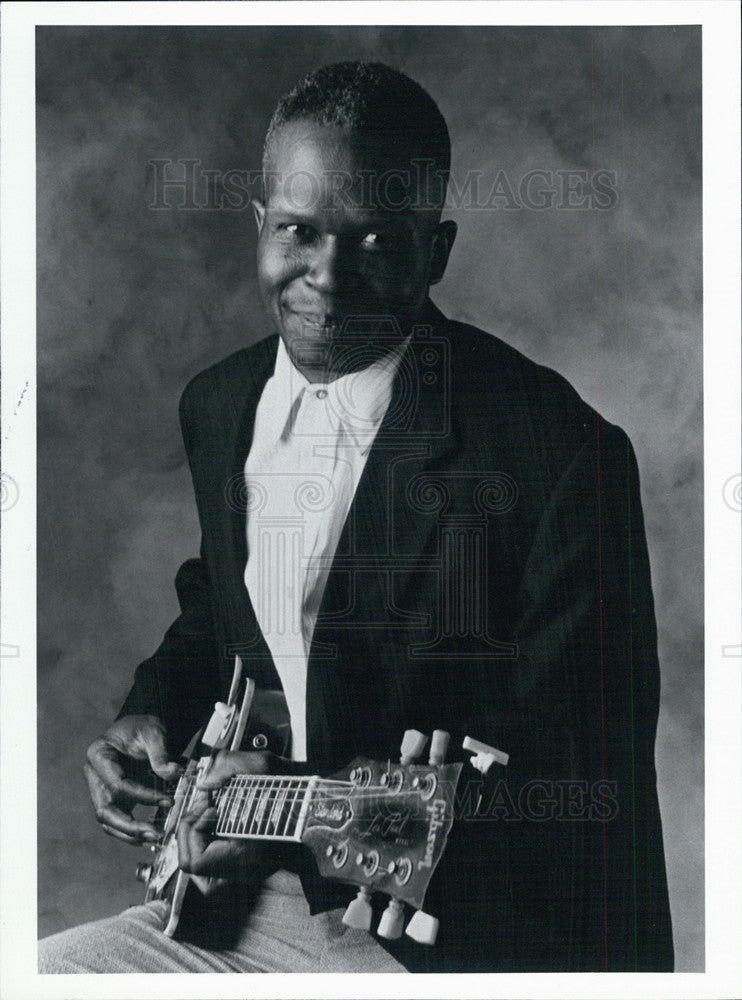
(720, 23)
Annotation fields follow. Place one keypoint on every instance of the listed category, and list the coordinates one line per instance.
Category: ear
(259, 212)
(445, 234)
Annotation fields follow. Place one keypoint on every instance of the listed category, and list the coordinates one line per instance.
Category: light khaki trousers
(278, 935)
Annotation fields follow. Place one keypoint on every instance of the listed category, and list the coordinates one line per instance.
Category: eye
(374, 241)
(299, 232)
(390, 241)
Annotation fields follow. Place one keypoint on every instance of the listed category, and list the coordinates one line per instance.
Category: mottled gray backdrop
(132, 302)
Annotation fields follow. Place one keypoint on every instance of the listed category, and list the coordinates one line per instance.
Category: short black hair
(369, 98)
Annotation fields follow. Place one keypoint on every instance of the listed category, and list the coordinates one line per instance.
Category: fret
(230, 800)
(237, 805)
(295, 791)
(259, 807)
(264, 807)
(243, 795)
(277, 808)
(278, 801)
(301, 819)
(226, 805)
(288, 804)
(246, 793)
(247, 804)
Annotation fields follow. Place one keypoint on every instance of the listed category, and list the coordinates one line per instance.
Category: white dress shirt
(309, 448)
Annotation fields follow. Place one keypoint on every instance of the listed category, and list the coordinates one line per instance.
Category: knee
(127, 943)
(61, 953)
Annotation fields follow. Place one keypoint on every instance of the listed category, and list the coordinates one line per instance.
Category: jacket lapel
(396, 504)
(392, 523)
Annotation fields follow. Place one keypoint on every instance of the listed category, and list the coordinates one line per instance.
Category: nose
(330, 267)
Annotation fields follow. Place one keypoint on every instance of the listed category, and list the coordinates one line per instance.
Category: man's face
(336, 256)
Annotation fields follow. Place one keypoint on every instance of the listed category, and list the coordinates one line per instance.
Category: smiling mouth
(320, 322)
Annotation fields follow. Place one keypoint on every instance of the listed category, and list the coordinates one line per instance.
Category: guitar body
(268, 727)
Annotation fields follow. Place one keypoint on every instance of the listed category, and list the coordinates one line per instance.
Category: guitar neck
(264, 807)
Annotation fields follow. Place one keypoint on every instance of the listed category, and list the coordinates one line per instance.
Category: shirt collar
(356, 402)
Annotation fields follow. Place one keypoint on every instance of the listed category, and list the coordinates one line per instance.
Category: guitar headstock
(382, 826)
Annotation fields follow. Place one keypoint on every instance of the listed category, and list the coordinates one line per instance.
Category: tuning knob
(392, 921)
(358, 914)
(413, 744)
(438, 747)
(422, 928)
(484, 756)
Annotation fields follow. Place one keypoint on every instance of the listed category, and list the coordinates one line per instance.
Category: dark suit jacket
(492, 580)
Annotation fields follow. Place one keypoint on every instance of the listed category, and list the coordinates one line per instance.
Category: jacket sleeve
(179, 683)
(568, 835)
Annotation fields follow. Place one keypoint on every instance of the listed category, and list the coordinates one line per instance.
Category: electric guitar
(381, 826)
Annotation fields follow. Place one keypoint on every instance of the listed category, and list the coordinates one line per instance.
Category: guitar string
(303, 783)
(253, 805)
(267, 792)
(254, 808)
(274, 787)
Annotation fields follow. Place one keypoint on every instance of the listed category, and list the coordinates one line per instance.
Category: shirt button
(321, 393)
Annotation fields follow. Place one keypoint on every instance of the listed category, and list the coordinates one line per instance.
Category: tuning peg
(438, 747)
(484, 756)
(413, 744)
(422, 928)
(358, 914)
(392, 921)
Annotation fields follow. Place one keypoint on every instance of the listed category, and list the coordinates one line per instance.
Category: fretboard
(264, 807)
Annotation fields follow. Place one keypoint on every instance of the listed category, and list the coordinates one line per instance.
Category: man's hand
(141, 737)
(199, 853)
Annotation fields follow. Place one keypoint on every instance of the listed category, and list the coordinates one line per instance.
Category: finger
(115, 822)
(108, 814)
(194, 833)
(227, 763)
(215, 858)
(153, 742)
(103, 762)
(121, 836)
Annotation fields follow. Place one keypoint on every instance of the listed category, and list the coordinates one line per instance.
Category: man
(405, 524)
